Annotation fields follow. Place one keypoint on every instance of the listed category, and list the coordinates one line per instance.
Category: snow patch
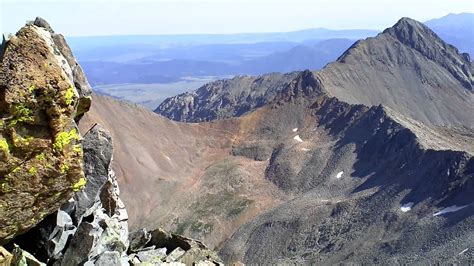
(464, 251)
(453, 208)
(295, 129)
(169, 159)
(297, 138)
(305, 149)
(406, 207)
(339, 175)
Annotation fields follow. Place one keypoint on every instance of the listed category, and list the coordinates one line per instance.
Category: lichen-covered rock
(42, 92)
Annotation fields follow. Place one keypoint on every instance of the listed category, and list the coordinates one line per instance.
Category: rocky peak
(421, 38)
(410, 32)
(305, 85)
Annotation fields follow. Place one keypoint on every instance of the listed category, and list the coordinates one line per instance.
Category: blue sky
(119, 17)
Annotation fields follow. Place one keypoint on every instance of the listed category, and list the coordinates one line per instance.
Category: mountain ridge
(386, 69)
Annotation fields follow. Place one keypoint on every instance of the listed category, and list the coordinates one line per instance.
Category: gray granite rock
(139, 239)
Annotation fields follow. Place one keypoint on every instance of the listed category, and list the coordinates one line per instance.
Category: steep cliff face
(42, 93)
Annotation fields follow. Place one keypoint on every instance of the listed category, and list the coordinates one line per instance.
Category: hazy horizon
(163, 17)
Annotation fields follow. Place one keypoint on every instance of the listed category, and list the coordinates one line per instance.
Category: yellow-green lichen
(16, 169)
(40, 157)
(64, 168)
(64, 138)
(69, 95)
(21, 113)
(33, 170)
(4, 146)
(22, 141)
(80, 184)
(5, 187)
(77, 148)
(32, 88)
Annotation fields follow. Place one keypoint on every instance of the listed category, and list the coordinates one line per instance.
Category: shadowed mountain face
(368, 161)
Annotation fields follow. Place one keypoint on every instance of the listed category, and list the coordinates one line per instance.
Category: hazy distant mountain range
(456, 29)
(153, 69)
(166, 59)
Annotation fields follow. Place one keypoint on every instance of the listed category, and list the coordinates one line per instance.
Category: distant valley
(148, 69)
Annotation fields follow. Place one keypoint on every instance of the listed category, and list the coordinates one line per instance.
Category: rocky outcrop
(92, 228)
(424, 40)
(92, 222)
(42, 94)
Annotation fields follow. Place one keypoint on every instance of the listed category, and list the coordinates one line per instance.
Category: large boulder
(42, 93)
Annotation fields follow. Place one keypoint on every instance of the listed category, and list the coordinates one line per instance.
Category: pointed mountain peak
(412, 32)
(416, 37)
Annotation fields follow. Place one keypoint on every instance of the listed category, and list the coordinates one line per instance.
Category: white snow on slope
(464, 251)
(339, 175)
(169, 159)
(295, 129)
(305, 149)
(453, 208)
(297, 138)
(406, 207)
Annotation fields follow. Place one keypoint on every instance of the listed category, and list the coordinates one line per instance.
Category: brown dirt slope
(180, 176)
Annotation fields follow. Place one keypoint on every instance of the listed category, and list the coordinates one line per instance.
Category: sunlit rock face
(42, 92)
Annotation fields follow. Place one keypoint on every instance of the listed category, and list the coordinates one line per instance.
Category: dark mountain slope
(369, 183)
